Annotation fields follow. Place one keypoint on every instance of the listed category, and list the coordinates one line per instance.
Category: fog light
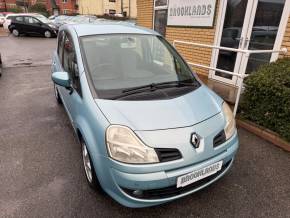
(138, 193)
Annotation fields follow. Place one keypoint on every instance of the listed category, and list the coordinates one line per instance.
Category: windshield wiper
(155, 86)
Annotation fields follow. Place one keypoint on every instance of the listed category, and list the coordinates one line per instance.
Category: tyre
(89, 170)
(47, 34)
(57, 96)
(15, 32)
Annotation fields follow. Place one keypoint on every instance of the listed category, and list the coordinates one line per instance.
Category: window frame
(75, 79)
(59, 46)
(112, 11)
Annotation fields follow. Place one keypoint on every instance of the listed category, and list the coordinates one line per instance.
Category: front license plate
(199, 174)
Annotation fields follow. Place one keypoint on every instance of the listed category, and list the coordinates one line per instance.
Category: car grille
(168, 154)
(173, 190)
(219, 139)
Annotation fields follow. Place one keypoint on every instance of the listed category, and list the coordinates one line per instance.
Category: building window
(112, 0)
(112, 11)
(160, 16)
(64, 1)
(65, 11)
(160, 3)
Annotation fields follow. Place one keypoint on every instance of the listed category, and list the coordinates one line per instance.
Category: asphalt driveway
(41, 172)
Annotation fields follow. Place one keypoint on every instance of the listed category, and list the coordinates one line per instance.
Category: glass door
(263, 32)
(247, 24)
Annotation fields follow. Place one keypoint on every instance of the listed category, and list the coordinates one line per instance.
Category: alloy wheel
(15, 32)
(47, 34)
(87, 163)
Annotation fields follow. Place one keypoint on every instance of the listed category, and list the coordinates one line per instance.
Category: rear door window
(30, 20)
(19, 19)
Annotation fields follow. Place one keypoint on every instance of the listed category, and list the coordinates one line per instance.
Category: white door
(247, 24)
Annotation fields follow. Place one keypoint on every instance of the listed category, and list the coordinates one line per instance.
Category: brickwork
(286, 40)
(200, 35)
(145, 13)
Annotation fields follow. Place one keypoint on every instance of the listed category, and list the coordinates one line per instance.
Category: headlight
(52, 26)
(123, 145)
(230, 121)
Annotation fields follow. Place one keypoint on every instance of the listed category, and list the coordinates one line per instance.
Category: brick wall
(286, 40)
(145, 13)
(200, 35)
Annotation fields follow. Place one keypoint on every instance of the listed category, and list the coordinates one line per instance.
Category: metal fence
(241, 75)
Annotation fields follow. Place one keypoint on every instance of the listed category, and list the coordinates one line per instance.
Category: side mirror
(61, 78)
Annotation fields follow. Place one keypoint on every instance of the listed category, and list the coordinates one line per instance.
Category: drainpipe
(122, 8)
(5, 6)
(129, 9)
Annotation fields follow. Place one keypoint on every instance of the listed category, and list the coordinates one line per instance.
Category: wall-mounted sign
(198, 13)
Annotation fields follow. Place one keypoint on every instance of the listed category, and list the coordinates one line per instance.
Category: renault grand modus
(150, 130)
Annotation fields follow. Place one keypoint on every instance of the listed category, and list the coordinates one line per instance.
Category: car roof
(22, 14)
(110, 28)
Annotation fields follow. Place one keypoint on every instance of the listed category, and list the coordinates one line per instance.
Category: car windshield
(120, 62)
(42, 18)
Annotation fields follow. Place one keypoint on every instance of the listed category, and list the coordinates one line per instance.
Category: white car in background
(2, 19)
(7, 20)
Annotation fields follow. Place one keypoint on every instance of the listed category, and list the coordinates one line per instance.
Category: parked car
(7, 21)
(33, 25)
(150, 130)
(52, 17)
(8, 17)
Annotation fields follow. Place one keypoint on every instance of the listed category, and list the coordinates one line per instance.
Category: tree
(16, 9)
(38, 8)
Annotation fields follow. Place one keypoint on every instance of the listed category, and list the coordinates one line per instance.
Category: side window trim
(75, 78)
(60, 47)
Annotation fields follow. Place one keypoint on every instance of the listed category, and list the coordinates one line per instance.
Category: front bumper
(159, 187)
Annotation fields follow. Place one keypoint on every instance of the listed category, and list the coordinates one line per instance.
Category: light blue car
(150, 130)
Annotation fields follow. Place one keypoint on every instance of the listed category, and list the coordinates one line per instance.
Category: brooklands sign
(191, 13)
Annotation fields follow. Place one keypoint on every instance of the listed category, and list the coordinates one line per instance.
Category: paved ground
(26, 51)
(40, 162)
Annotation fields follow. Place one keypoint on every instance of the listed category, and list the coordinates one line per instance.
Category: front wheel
(47, 34)
(89, 170)
(15, 32)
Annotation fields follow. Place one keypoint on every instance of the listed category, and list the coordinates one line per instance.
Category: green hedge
(266, 100)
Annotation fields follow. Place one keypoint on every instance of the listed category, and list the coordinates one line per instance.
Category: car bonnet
(186, 110)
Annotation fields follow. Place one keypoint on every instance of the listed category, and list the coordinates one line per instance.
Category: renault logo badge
(195, 140)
